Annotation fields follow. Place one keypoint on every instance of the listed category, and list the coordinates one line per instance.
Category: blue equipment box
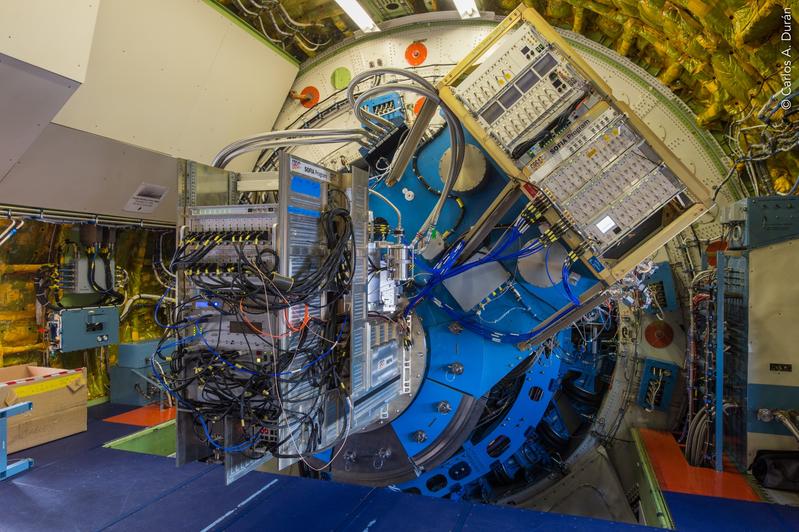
(131, 378)
(84, 328)
(388, 106)
(136, 354)
(658, 380)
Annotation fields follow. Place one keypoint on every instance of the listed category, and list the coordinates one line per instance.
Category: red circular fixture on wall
(309, 96)
(416, 53)
(418, 105)
(659, 334)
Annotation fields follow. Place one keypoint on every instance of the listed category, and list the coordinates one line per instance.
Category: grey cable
(426, 89)
(224, 155)
(282, 143)
(390, 204)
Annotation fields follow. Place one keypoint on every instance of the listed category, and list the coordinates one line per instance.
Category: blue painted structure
(88, 328)
(543, 404)
(132, 373)
(663, 279)
(650, 374)
(8, 470)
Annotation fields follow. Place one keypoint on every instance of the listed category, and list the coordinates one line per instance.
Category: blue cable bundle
(565, 271)
(494, 335)
(443, 270)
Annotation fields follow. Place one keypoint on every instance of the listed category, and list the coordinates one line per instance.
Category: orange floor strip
(146, 416)
(675, 474)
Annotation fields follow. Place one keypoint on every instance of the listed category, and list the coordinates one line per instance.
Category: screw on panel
(456, 368)
(380, 458)
(420, 436)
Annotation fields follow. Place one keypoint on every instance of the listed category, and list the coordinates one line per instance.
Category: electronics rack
(551, 123)
(209, 210)
(302, 196)
(386, 361)
(307, 257)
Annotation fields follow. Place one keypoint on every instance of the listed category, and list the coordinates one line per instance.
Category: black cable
(432, 190)
(236, 382)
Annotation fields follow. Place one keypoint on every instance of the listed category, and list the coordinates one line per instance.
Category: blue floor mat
(696, 512)
(79, 485)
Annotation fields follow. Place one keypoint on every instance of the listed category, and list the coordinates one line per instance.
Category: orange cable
(255, 329)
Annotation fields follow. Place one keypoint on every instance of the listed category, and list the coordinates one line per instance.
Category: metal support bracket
(9, 470)
(721, 265)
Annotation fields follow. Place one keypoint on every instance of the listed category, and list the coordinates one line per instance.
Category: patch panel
(496, 72)
(226, 218)
(557, 143)
(592, 159)
(630, 209)
(608, 185)
(388, 106)
(229, 247)
(520, 90)
(611, 184)
(517, 116)
(548, 119)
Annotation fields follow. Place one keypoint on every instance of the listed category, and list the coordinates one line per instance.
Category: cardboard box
(59, 404)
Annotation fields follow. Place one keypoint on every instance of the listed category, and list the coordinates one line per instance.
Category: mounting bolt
(444, 407)
(456, 368)
(420, 436)
(350, 457)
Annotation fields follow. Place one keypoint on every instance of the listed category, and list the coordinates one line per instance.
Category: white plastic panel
(29, 98)
(55, 35)
(446, 45)
(76, 171)
(177, 77)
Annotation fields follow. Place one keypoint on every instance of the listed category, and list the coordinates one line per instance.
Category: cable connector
(573, 257)
(282, 282)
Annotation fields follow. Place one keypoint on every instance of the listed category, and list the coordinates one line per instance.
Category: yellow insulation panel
(22, 339)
